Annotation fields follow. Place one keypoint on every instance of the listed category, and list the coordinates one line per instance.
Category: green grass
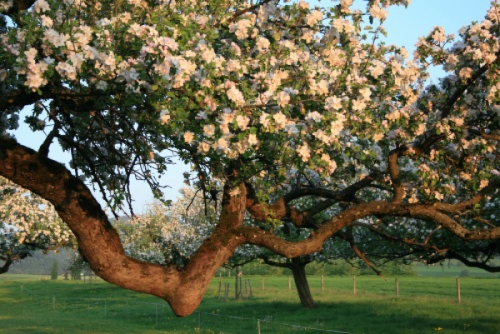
(425, 304)
(452, 271)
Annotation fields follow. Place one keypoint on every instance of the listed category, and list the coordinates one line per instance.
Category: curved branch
(390, 237)
(482, 265)
(6, 266)
(492, 186)
(99, 242)
(275, 263)
(488, 136)
(280, 208)
(314, 243)
(18, 99)
(350, 239)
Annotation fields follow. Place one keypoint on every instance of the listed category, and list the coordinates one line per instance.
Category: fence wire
(161, 317)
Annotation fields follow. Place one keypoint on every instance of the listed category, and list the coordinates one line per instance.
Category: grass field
(453, 270)
(425, 305)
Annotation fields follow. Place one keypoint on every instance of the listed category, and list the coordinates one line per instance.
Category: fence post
(199, 321)
(250, 286)
(397, 288)
(322, 283)
(458, 290)
(220, 283)
(237, 283)
(354, 284)
(258, 326)
(241, 287)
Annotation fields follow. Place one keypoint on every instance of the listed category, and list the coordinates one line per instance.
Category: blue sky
(404, 26)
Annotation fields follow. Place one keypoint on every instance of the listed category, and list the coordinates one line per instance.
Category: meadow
(35, 304)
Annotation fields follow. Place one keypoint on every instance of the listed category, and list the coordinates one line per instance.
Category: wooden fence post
(237, 281)
(354, 284)
(250, 286)
(459, 297)
(241, 287)
(220, 284)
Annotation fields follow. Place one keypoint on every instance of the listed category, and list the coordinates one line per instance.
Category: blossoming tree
(253, 96)
(27, 224)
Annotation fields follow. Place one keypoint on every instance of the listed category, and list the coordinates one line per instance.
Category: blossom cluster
(29, 222)
(281, 85)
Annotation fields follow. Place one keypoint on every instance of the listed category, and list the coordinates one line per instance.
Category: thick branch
(280, 208)
(99, 242)
(452, 255)
(6, 266)
(314, 243)
(488, 136)
(396, 181)
(394, 238)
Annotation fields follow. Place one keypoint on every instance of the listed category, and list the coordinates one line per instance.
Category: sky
(404, 27)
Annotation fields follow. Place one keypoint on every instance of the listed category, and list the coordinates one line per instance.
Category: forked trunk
(299, 275)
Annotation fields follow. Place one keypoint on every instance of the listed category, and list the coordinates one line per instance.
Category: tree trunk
(5, 267)
(299, 276)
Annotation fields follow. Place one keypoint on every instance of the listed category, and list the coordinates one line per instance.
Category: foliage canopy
(297, 115)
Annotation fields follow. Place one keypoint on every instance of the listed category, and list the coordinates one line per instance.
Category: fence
(159, 316)
(223, 291)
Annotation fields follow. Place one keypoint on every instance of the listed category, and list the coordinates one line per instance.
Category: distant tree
(28, 223)
(54, 272)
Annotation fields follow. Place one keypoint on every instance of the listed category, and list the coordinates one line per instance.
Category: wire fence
(160, 316)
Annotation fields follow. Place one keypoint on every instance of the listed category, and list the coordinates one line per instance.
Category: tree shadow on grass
(389, 315)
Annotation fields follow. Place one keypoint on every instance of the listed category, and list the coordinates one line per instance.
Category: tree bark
(5, 267)
(299, 276)
(99, 242)
(183, 288)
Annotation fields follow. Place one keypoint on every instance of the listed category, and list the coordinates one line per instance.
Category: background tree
(54, 272)
(253, 96)
(27, 224)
